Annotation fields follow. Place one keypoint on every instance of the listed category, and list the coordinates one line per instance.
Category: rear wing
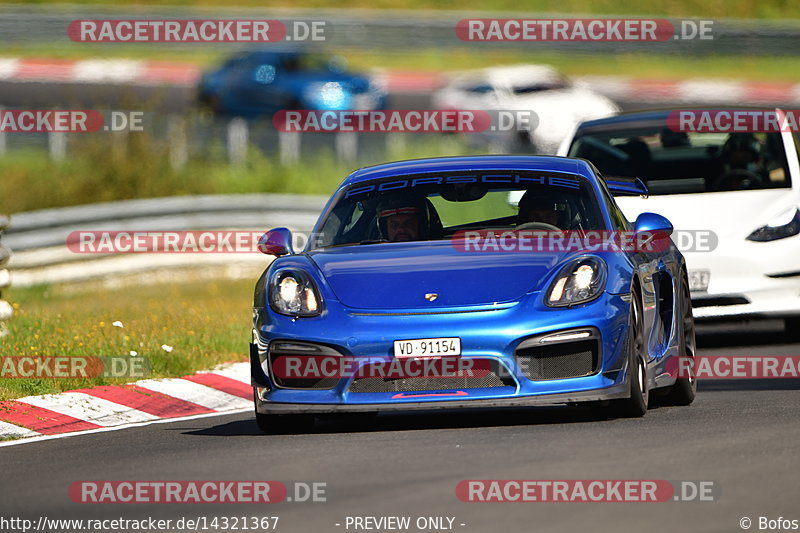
(626, 186)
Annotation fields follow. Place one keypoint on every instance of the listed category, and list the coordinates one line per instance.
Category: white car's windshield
(672, 162)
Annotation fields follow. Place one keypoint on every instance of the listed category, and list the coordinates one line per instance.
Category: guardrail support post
(5, 280)
(346, 146)
(237, 141)
(178, 141)
(289, 146)
(119, 144)
(57, 143)
(396, 144)
(2, 137)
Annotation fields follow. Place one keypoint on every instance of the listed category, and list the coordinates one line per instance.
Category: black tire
(791, 326)
(636, 404)
(684, 390)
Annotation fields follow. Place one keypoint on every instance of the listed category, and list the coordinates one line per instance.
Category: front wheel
(636, 405)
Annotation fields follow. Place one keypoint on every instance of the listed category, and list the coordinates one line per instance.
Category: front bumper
(611, 393)
(753, 279)
(487, 334)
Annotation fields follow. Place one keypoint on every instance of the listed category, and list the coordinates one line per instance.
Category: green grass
(675, 8)
(96, 172)
(758, 68)
(436, 60)
(492, 205)
(205, 323)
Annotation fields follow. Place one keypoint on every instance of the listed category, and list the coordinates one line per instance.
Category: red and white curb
(694, 90)
(113, 71)
(621, 88)
(223, 390)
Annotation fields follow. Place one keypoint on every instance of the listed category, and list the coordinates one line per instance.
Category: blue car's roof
(467, 163)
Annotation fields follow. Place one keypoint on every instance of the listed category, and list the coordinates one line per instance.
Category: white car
(740, 189)
(558, 103)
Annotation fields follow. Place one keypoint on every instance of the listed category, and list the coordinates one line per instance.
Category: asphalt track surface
(170, 99)
(743, 435)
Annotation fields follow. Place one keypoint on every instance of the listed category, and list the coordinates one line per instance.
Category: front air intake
(547, 357)
(282, 351)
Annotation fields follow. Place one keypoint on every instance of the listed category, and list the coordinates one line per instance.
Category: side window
(355, 216)
(477, 88)
(358, 225)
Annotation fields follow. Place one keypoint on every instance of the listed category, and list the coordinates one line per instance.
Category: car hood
(399, 275)
(729, 214)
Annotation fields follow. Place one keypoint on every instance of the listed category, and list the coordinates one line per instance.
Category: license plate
(698, 280)
(439, 347)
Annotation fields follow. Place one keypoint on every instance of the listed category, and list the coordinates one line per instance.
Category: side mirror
(276, 242)
(653, 223)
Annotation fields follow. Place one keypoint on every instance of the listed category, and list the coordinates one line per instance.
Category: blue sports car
(264, 82)
(423, 286)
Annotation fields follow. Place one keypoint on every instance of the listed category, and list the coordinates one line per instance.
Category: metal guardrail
(399, 30)
(42, 256)
(198, 135)
(5, 280)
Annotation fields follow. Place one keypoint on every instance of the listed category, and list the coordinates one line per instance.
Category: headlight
(329, 95)
(291, 292)
(580, 281)
(784, 225)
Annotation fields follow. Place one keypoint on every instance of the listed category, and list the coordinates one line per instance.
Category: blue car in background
(265, 82)
(392, 280)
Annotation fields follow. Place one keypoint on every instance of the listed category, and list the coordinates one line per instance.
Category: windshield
(539, 87)
(436, 206)
(672, 162)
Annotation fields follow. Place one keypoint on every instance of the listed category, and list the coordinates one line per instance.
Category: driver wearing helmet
(403, 219)
(540, 206)
(742, 163)
(742, 151)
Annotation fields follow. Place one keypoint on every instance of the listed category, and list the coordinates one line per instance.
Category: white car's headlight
(787, 224)
(580, 281)
(291, 292)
